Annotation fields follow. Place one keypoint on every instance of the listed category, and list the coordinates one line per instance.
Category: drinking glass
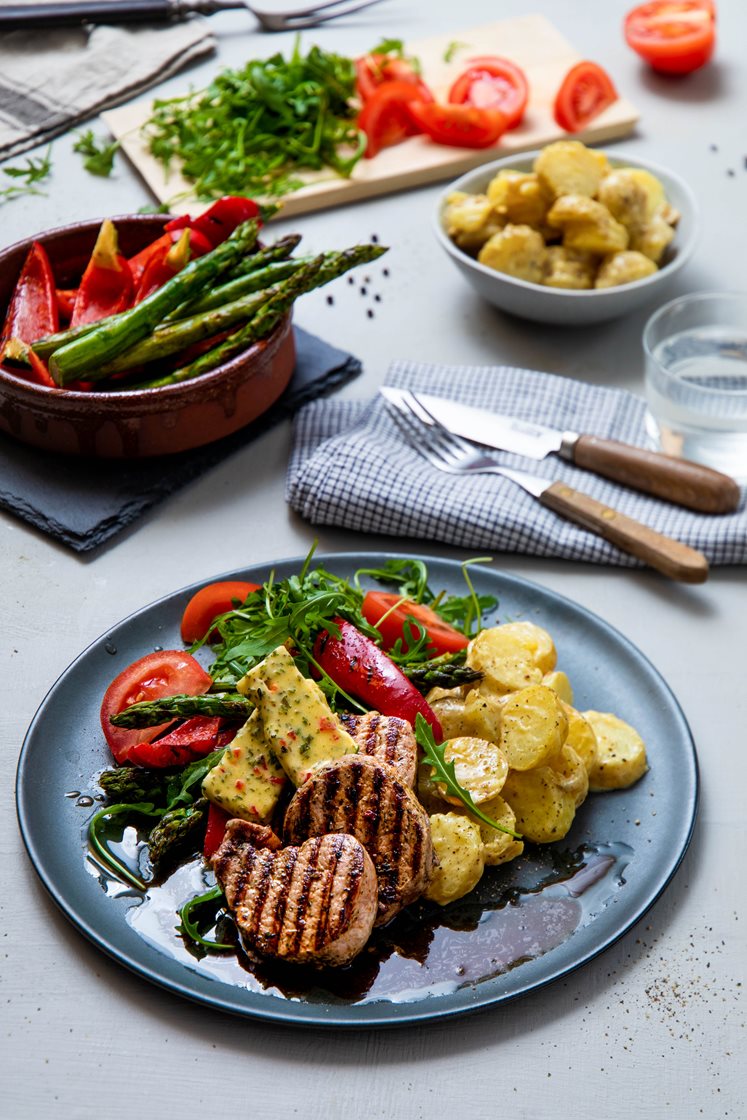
(696, 379)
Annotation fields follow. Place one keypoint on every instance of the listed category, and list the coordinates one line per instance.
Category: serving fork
(271, 17)
(457, 456)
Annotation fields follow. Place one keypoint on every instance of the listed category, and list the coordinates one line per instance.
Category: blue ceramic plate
(526, 924)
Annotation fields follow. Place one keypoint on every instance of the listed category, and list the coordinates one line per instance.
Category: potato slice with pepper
(470, 219)
(623, 268)
(518, 250)
(535, 727)
(480, 767)
(587, 225)
(581, 737)
(458, 860)
(506, 657)
(544, 810)
(569, 167)
(621, 758)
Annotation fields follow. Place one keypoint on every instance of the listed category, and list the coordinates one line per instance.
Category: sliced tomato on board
(673, 36)
(385, 118)
(373, 70)
(207, 603)
(389, 613)
(459, 126)
(493, 83)
(586, 91)
(167, 672)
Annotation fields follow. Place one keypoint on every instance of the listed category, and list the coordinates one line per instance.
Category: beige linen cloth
(52, 80)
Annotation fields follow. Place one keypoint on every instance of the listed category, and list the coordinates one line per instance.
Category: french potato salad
(574, 221)
(391, 721)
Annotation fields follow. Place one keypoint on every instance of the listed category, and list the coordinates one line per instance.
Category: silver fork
(457, 456)
(64, 13)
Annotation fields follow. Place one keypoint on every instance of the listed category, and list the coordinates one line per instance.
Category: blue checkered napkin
(352, 467)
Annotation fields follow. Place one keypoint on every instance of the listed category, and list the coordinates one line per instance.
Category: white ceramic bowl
(557, 305)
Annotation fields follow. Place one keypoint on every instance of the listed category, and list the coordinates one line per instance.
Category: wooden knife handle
(672, 558)
(676, 480)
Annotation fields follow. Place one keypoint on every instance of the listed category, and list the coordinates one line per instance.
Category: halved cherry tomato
(585, 92)
(384, 117)
(673, 36)
(460, 126)
(493, 83)
(372, 70)
(167, 672)
(388, 612)
(207, 603)
(192, 739)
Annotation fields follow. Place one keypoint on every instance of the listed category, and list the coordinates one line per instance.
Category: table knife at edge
(675, 480)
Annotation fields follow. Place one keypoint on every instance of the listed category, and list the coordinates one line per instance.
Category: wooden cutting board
(531, 41)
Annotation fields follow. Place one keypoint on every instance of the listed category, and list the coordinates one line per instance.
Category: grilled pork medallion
(387, 739)
(313, 904)
(363, 797)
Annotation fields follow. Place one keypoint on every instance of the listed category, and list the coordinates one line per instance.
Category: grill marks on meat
(388, 739)
(362, 797)
(313, 904)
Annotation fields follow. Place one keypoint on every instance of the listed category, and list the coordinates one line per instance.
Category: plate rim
(376, 1014)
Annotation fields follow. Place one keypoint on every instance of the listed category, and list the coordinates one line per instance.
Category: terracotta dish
(143, 422)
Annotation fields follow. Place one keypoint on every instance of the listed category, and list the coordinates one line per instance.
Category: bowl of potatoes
(568, 234)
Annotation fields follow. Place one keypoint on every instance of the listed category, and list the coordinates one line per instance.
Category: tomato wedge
(388, 612)
(493, 83)
(207, 603)
(384, 117)
(673, 36)
(459, 126)
(373, 70)
(167, 672)
(585, 92)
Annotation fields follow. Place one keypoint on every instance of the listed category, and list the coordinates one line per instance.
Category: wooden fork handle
(676, 480)
(670, 557)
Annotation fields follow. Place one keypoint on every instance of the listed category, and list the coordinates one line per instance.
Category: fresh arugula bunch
(253, 130)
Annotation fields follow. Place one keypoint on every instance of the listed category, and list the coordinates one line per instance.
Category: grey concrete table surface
(654, 1027)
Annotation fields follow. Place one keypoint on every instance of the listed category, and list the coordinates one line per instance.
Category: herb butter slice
(299, 726)
(248, 779)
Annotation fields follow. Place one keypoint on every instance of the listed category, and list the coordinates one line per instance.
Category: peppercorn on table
(654, 1025)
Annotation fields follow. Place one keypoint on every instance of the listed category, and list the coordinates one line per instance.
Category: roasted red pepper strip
(38, 373)
(66, 301)
(198, 246)
(223, 217)
(215, 831)
(358, 666)
(106, 287)
(163, 265)
(192, 739)
(33, 309)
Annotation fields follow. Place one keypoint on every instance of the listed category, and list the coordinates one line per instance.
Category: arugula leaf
(189, 926)
(99, 843)
(410, 577)
(37, 169)
(434, 755)
(452, 49)
(99, 156)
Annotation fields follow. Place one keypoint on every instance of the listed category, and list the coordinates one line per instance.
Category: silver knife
(676, 480)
